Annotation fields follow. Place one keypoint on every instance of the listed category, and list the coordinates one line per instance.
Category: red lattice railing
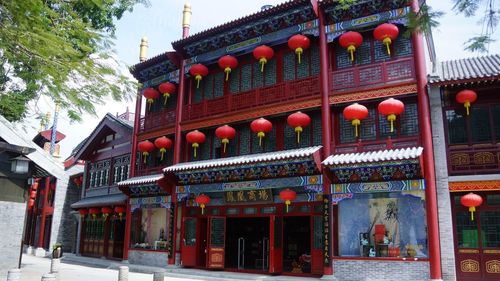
(154, 120)
(382, 144)
(286, 91)
(474, 159)
(373, 75)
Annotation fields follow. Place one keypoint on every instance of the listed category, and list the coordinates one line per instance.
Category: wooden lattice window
(248, 76)
(481, 126)
(211, 86)
(309, 65)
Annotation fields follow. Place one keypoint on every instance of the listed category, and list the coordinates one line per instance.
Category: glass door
(217, 242)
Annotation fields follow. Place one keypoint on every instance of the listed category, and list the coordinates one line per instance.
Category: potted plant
(57, 251)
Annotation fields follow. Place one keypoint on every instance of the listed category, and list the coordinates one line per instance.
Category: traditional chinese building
(295, 140)
(466, 127)
(106, 153)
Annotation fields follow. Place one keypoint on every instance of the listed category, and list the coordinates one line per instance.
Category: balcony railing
(374, 75)
(373, 145)
(474, 159)
(286, 91)
(155, 120)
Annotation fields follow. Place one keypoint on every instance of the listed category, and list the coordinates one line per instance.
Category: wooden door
(276, 245)
(216, 245)
(188, 248)
(317, 242)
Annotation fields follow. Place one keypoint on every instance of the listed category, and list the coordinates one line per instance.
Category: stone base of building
(150, 258)
(28, 249)
(40, 252)
(379, 270)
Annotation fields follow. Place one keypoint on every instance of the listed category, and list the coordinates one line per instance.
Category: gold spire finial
(143, 53)
(186, 15)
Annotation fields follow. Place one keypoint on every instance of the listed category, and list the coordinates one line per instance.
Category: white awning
(245, 159)
(141, 180)
(374, 156)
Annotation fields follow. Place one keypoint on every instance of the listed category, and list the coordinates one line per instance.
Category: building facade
(466, 141)
(307, 190)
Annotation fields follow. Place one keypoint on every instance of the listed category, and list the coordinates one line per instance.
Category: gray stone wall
(11, 223)
(148, 258)
(443, 194)
(60, 221)
(69, 219)
(377, 270)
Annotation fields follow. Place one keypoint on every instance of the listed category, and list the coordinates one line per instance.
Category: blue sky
(161, 23)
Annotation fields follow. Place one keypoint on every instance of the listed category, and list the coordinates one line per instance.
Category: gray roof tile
(464, 70)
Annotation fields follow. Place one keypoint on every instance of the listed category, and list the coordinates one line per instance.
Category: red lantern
(34, 186)
(355, 113)
(163, 143)
(167, 89)
(31, 203)
(120, 210)
(261, 126)
(263, 53)
(225, 133)
(146, 147)
(195, 138)
(228, 63)
(390, 108)
(150, 94)
(105, 212)
(94, 212)
(202, 200)
(298, 121)
(198, 71)
(78, 181)
(386, 32)
(288, 196)
(472, 201)
(466, 97)
(351, 40)
(33, 194)
(83, 212)
(298, 43)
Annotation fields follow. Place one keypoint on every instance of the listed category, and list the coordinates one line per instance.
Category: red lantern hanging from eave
(472, 201)
(106, 211)
(351, 40)
(298, 121)
(145, 147)
(167, 89)
(83, 212)
(203, 201)
(163, 143)
(198, 71)
(299, 43)
(120, 210)
(288, 196)
(391, 108)
(263, 53)
(94, 212)
(195, 138)
(225, 133)
(386, 32)
(31, 203)
(466, 97)
(228, 63)
(355, 113)
(261, 126)
(33, 194)
(150, 94)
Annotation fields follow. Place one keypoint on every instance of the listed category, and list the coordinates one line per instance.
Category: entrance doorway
(247, 243)
(297, 244)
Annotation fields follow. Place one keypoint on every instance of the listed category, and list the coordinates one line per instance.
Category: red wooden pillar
(126, 238)
(326, 121)
(178, 114)
(429, 171)
(45, 207)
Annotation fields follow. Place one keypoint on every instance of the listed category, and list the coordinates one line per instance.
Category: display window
(150, 229)
(383, 224)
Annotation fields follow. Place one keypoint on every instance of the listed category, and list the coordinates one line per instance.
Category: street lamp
(19, 165)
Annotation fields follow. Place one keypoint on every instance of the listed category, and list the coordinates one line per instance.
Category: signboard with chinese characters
(248, 196)
(326, 229)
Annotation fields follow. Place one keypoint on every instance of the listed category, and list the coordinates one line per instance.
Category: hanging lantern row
(288, 196)
(298, 121)
(466, 97)
(31, 200)
(472, 201)
(225, 133)
(386, 32)
(203, 201)
(146, 147)
(106, 211)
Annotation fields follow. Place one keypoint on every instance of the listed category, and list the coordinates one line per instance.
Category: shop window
(268, 210)
(492, 199)
(190, 231)
(466, 230)
(376, 126)
(149, 229)
(389, 224)
(480, 124)
(232, 211)
(490, 229)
